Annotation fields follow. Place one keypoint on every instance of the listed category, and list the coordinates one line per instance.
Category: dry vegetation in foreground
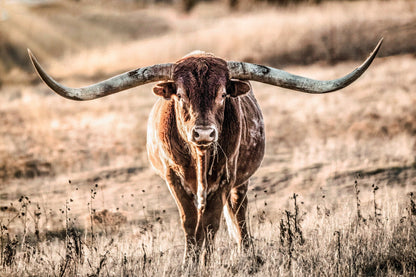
(348, 240)
(317, 146)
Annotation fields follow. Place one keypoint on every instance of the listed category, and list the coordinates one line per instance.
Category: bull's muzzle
(204, 135)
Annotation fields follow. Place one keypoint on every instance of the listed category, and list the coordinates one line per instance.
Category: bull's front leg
(189, 217)
(210, 222)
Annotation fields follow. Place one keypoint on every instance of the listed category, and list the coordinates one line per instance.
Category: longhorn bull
(205, 134)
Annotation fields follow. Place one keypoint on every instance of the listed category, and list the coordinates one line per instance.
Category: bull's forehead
(201, 72)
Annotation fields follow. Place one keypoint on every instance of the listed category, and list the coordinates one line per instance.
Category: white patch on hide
(232, 229)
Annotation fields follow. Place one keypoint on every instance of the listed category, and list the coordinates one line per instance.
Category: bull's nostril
(196, 134)
(212, 134)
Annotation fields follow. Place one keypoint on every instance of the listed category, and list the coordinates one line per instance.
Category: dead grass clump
(109, 221)
(29, 169)
(25, 167)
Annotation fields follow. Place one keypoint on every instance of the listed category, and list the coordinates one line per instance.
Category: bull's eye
(182, 99)
(179, 93)
(224, 95)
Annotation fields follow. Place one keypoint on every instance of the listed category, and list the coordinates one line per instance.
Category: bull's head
(199, 86)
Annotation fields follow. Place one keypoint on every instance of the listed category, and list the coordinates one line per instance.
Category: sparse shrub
(338, 250)
(91, 210)
(291, 235)
(8, 253)
(360, 218)
(322, 210)
(377, 209)
(412, 206)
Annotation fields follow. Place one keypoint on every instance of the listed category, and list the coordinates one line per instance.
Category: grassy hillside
(89, 40)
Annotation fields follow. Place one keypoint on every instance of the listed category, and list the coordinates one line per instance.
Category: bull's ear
(165, 89)
(238, 87)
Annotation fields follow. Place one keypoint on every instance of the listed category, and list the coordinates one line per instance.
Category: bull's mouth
(203, 145)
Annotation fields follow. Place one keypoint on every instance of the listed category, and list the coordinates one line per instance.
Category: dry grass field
(335, 194)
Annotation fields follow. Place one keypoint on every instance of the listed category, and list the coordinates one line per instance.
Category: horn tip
(31, 57)
(380, 41)
(30, 53)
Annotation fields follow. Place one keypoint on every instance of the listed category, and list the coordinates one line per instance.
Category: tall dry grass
(328, 238)
(327, 140)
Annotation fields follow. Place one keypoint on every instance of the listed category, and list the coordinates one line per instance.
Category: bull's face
(200, 88)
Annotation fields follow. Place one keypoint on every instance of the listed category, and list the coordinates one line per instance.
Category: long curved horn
(277, 77)
(115, 84)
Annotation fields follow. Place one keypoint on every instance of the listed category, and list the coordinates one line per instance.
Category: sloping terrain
(75, 36)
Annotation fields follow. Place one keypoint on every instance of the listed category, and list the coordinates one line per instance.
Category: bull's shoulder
(165, 146)
(160, 121)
